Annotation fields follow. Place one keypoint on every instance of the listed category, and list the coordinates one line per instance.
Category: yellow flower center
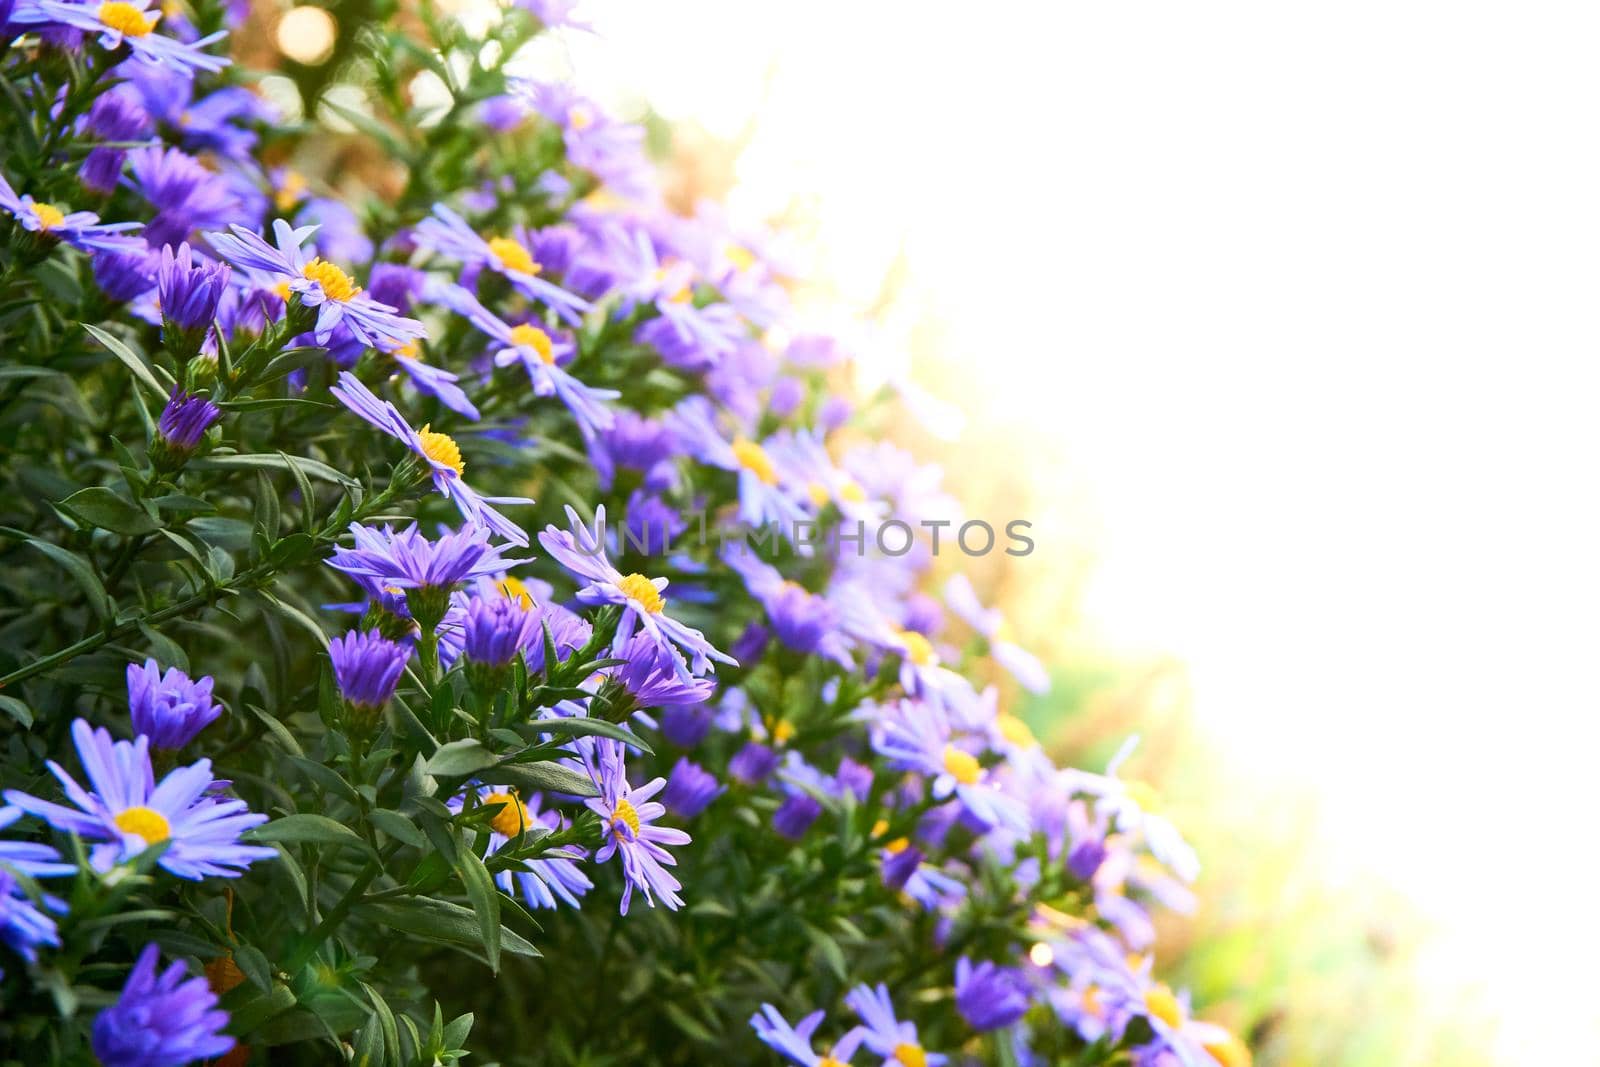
(910, 1055)
(753, 458)
(818, 493)
(442, 449)
(963, 766)
(1229, 1051)
(579, 117)
(409, 350)
(851, 490)
(1015, 730)
(741, 257)
(1160, 1002)
(335, 283)
(1143, 794)
(1091, 1002)
(624, 814)
(283, 291)
(513, 256)
(512, 817)
(514, 589)
(782, 731)
(532, 337)
(144, 822)
(125, 18)
(919, 649)
(880, 828)
(897, 846)
(642, 591)
(49, 215)
(829, 1061)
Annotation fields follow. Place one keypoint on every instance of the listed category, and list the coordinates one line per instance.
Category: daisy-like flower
(29, 857)
(582, 551)
(439, 451)
(991, 624)
(126, 811)
(552, 878)
(172, 708)
(652, 677)
(509, 254)
(541, 355)
(794, 1042)
(627, 815)
(120, 22)
(160, 1020)
(763, 499)
(82, 230)
(690, 789)
(916, 736)
(406, 560)
(24, 926)
(319, 284)
(1131, 808)
(814, 475)
(885, 1034)
(433, 381)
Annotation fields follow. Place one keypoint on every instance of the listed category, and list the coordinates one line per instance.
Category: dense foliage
(323, 740)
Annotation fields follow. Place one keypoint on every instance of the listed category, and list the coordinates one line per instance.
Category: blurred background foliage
(1315, 966)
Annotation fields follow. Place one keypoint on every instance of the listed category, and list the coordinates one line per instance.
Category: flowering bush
(678, 762)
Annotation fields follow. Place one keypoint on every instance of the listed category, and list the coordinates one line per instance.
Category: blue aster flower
(186, 194)
(126, 811)
(627, 819)
(915, 736)
(117, 115)
(405, 559)
(541, 355)
(795, 1042)
(82, 230)
(991, 624)
(441, 453)
(582, 551)
(184, 421)
(509, 254)
(319, 284)
(121, 22)
(188, 288)
(654, 677)
(170, 709)
(634, 442)
(883, 1033)
(24, 926)
(553, 877)
(763, 500)
(989, 996)
(690, 789)
(433, 381)
(160, 1020)
(367, 667)
(497, 629)
(31, 858)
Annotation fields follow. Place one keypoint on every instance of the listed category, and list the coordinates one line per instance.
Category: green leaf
(444, 922)
(398, 827)
(141, 370)
(578, 726)
(74, 565)
(17, 710)
(460, 758)
(307, 828)
(272, 461)
(485, 898)
(532, 777)
(100, 506)
(326, 777)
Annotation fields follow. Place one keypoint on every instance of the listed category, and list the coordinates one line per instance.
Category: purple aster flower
(127, 811)
(187, 196)
(786, 397)
(690, 789)
(627, 817)
(693, 339)
(319, 284)
(555, 14)
(405, 559)
(541, 355)
(502, 113)
(184, 421)
(569, 632)
(24, 927)
(367, 667)
(652, 524)
(886, 1035)
(497, 629)
(170, 709)
(905, 870)
(655, 677)
(188, 292)
(160, 1020)
(751, 642)
(915, 736)
(1023, 665)
(802, 620)
(82, 230)
(118, 114)
(753, 763)
(686, 725)
(28, 857)
(834, 413)
(794, 1042)
(582, 551)
(433, 381)
(634, 442)
(340, 235)
(439, 451)
(795, 815)
(988, 996)
(854, 777)
(127, 275)
(449, 234)
(552, 877)
(612, 151)
(762, 499)
(122, 22)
